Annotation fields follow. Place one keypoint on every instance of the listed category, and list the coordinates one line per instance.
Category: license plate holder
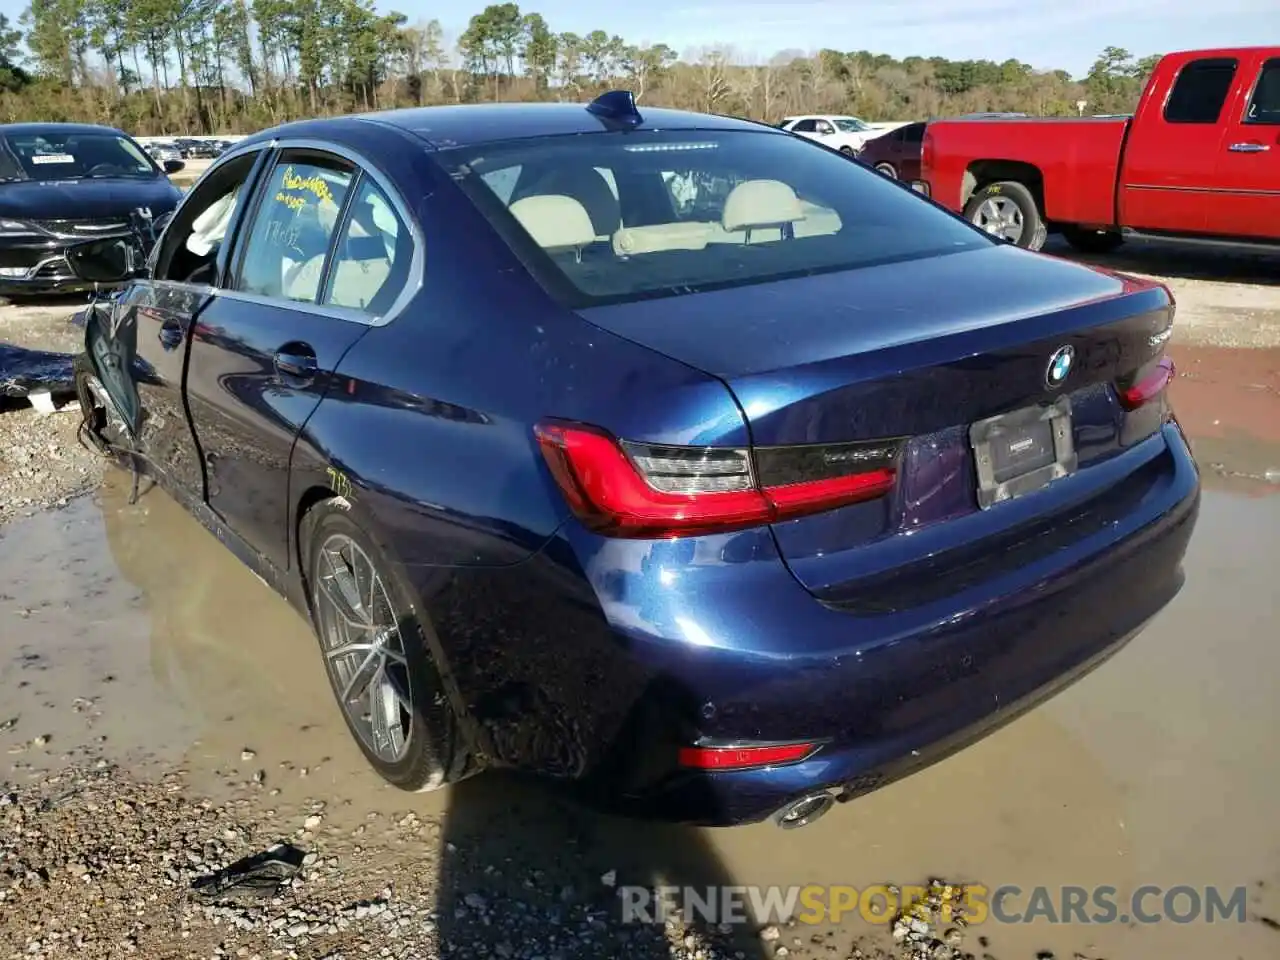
(1022, 451)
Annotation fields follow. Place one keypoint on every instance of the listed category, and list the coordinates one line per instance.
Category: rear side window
(613, 217)
(1264, 106)
(290, 235)
(913, 133)
(371, 259)
(1200, 91)
(805, 126)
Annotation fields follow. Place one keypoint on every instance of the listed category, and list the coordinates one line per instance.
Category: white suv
(846, 134)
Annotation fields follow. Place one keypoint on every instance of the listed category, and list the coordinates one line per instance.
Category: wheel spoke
(349, 648)
(401, 694)
(374, 659)
(337, 591)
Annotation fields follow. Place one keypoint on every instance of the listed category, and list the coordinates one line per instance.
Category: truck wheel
(1091, 241)
(1008, 210)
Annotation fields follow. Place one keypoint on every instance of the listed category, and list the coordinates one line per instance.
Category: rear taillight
(926, 152)
(630, 489)
(1149, 386)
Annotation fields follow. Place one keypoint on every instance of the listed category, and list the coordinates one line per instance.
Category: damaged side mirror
(104, 261)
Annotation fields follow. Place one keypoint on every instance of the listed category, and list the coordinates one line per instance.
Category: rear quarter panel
(1076, 160)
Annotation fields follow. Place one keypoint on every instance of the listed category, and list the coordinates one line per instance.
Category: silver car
(160, 152)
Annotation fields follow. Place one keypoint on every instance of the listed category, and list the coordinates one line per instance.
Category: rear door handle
(170, 335)
(1249, 147)
(295, 363)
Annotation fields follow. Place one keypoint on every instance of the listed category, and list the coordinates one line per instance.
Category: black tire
(849, 151)
(888, 170)
(1034, 232)
(1092, 241)
(436, 753)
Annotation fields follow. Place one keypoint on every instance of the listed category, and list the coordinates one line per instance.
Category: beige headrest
(554, 221)
(761, 203)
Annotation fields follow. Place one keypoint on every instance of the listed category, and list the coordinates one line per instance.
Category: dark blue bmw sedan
(668, 455)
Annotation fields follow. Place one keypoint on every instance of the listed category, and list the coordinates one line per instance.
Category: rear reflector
(627, 489)
(1149, 387)
(744, 757)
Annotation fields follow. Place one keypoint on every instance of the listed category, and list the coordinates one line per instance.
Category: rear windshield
(614, 217)
(72, 156)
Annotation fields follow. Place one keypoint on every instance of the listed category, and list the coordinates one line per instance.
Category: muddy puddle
(128, 631)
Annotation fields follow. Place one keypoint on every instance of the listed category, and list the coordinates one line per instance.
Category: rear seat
(756, 211)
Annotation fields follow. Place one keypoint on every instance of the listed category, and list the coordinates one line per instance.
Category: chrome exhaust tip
(806, 810)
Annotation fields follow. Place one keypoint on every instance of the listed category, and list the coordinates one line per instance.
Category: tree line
(235, 66)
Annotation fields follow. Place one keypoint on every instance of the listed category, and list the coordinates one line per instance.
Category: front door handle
(1249, 147)
(295, 364)
(170, 335)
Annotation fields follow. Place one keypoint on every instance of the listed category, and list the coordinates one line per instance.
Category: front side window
(189, 250)
(1264, 105)
(371, 258)
(1200, 91)
(683, 211)
(825, 128)
(297, 218)
(73, 156)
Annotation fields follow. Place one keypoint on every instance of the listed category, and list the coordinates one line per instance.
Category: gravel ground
(41, 462)
(98, 863)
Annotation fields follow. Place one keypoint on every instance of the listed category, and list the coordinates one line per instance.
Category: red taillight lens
(926, 152)
(745, 756)
(1150, 386)
(629, 489)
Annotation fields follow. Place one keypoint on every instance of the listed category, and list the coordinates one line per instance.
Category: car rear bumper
(711, 640)
(901, 696)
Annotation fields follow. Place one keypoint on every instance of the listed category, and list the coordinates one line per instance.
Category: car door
(1249, 162)
(264, 351)
(908, 148)
(1170, 163)
(142, 356)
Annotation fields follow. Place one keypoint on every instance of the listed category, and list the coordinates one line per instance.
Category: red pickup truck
(1199, 161)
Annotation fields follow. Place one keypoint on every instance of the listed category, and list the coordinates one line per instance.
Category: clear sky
(1065, 34)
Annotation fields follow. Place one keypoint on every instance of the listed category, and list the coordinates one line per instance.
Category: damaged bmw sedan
(666, 455)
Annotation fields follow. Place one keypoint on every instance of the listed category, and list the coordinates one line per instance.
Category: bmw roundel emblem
(1059, 366)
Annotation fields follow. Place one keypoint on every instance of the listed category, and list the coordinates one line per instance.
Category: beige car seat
(556, 223)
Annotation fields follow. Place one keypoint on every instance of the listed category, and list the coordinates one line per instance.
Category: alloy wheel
(1000, 217)
(363, 647)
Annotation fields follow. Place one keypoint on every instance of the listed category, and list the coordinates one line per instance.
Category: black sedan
(62, 184)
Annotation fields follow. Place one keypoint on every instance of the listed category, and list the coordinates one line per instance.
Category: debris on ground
(24, 372)
(259, 876)
(932, 927)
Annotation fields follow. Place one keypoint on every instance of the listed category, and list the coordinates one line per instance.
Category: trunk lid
(921, 351)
